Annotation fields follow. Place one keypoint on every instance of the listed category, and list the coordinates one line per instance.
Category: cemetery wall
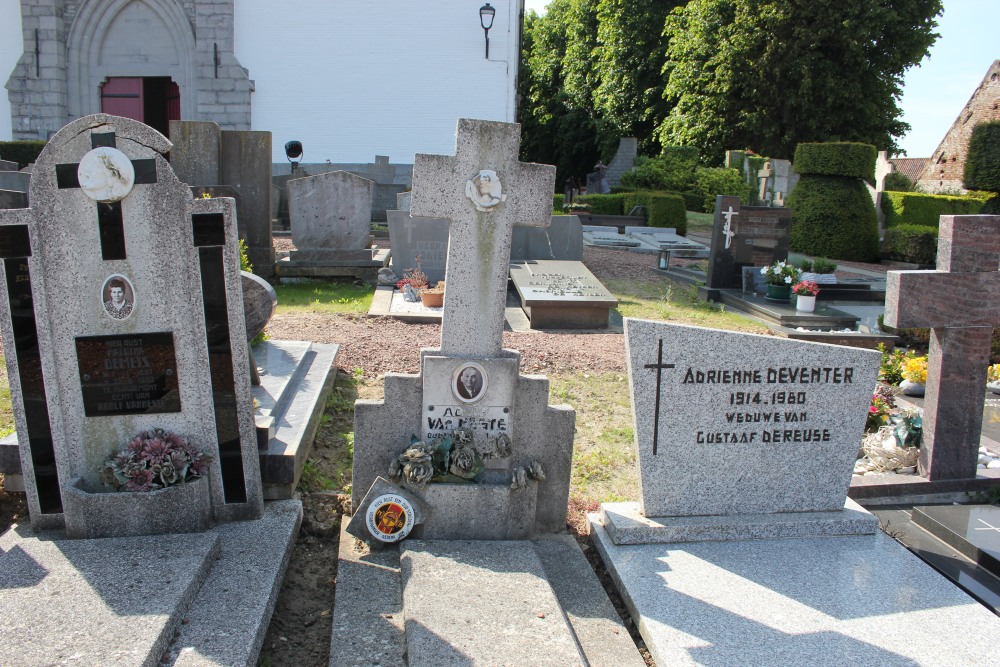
(945, 168)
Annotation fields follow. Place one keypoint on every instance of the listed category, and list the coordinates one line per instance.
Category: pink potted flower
(805, 295)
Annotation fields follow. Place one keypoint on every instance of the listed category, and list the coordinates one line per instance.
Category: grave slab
(822, 601)
(656, 239)
(562, 295)
(8, 165)
(481, 603)
(13, 199)
(605, 237)
(974, 530)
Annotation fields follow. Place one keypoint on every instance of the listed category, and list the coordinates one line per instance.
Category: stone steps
(197, 599)
(429, 603)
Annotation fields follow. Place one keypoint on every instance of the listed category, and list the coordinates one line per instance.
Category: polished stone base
(824, 601)
(363, 267)
(974, 530)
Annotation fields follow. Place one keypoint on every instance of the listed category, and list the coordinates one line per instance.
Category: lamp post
(486, 14)
(293, 151)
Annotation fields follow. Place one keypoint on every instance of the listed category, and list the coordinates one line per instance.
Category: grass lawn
(324, 297)
(699, 222)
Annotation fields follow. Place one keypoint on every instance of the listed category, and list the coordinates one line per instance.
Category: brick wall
(944, 170)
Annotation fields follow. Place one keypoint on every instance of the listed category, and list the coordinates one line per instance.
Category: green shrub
(823, 265)
(982, 164)
(719, 181)
(806, 266)
(619, 189)
(838, 158)
(557, 202)
(673, 170)
(694, 200)
(911, 243)
(916, 208)
(899, 182)
(663, 209)
(833, 216)
(603, 204)
(21, 152)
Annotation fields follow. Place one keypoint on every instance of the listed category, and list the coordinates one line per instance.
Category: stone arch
(92, 57)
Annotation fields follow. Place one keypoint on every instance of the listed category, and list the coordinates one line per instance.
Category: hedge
(663, 209)
(558, 201)
(21, 152)
(837, 158)
(603, 204)
(982, 164)
(719, 181)
(833, 217)
(915, 208)
(911, 243)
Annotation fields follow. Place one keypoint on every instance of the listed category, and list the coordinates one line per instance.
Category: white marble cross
(727, 230)
(484, 190)
(763, 175)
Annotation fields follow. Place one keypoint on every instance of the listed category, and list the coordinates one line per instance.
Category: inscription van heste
(781, 412)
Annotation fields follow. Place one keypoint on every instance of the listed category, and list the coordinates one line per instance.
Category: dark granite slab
(784, 314)
(974, 530)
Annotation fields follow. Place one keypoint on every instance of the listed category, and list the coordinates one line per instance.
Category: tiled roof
(911, 167)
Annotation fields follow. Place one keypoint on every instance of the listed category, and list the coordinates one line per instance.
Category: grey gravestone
(730, 425)
(18, 181)
(745, 236)
(384, 198)
(259, 303)
(86, 374)
(950, 302)
(8, 165)
(330, 214)
(561, 240)
(562, 295)
(412, 237)
(13, 199)
(470, 382)
(196, 154)
(246, 166)
(596, 235)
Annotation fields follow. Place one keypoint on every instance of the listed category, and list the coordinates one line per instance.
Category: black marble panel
(29, 370)
(66, 176)
(209, 229)
(220, 361)
(14, 241)
(145, 171)
(130, 374)
(98, 139)
(112, 227)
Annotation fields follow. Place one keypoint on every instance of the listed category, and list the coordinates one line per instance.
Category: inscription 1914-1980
(128, 375)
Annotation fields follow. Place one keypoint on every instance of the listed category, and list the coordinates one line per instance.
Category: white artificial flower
(763, 271)
(788, 280)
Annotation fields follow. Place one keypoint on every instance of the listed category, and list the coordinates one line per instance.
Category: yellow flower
(993, 373)
(915, 370)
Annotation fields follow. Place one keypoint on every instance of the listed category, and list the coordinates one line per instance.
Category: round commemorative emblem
(106, 174)
(389, 518)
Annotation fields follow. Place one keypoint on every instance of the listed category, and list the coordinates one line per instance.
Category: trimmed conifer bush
(982, 164)
(833, 216)
(21, 152)
(836, 158)
(603, 204)
(917, 208)
(663, 209)
(911, 243)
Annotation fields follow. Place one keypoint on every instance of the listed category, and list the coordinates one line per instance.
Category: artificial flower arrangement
(154, 460)
(882, 407)
(780, 273)
(915, 369)
(805, 288)
(993, 373)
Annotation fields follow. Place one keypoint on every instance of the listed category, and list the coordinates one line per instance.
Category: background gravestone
(330, 215)
(204, 155)
(85, 377)
(13, 199)
(745, 236)
(417, 236)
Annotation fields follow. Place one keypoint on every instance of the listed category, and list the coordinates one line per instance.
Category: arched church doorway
(153, 100)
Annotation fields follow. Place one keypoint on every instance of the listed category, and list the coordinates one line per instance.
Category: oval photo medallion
(389, 518)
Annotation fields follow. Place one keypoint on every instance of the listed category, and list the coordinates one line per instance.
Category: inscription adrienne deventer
(765, 405)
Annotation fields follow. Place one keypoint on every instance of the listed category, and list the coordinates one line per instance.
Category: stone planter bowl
(182, 508)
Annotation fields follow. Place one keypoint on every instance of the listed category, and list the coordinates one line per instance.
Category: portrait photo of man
(470, 383)
(118, 297)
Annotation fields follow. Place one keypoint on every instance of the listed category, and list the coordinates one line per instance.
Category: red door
(122, 96)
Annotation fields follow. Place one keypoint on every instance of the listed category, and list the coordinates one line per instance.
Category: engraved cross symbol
(109, 214)
(484, 190)
(659, 366)
(727, 229)
(988, 525)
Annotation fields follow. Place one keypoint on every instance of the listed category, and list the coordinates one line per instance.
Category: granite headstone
(745, 236)
(330, 214)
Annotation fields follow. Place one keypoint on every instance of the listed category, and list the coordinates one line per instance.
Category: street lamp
(293, 151)
(486, 14)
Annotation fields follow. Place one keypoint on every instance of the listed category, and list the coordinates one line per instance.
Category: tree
(771, 74)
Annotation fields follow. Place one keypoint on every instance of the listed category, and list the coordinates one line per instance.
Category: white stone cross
(727, 229)
(763, 175)
(484, 190)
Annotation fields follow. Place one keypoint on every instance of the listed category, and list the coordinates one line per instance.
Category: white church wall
(11, 46)
(352, 80)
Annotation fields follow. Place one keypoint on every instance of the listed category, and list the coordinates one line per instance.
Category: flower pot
(911, 388)
(779, 293)
(182, 508)
(432, 299)
(805, 304)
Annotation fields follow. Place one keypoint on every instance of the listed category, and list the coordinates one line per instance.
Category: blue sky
(936, 91)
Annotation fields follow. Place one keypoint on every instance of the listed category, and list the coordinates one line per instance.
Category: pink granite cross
(484, 190)
(958, 302)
